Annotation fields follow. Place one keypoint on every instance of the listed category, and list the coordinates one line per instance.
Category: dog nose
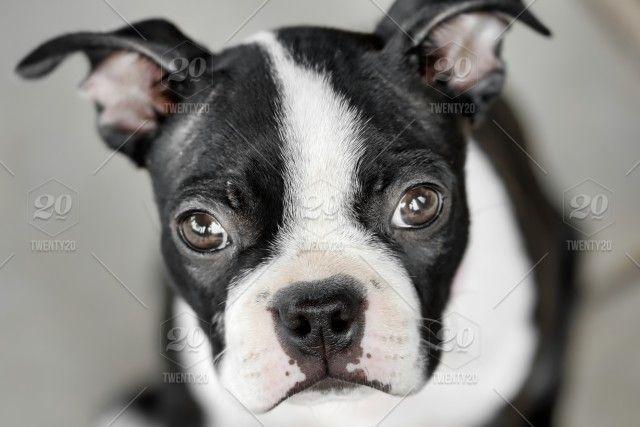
(320, 318)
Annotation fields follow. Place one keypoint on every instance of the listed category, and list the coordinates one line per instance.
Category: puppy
(333, 225)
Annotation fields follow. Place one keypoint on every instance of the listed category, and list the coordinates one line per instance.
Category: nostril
(296, 323)
(340, 322)
(300, 327)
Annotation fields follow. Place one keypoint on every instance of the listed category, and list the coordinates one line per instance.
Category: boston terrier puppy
(356, 244)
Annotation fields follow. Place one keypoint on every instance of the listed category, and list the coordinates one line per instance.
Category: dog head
(310, 182)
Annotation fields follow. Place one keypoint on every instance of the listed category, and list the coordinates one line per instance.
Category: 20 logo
(180, 339)
(460, 341)
(189, 75)
(457, 340)
(195, 68)
(47, 205)
(184, 339)
(584, 205)
(53, 207)
(447, 69)
(588, 207)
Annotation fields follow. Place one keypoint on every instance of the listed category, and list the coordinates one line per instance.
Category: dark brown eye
(418, 207)
(202, 232)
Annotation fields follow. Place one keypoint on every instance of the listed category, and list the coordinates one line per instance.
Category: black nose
(320, 318)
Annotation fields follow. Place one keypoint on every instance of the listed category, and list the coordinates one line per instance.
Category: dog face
(312, 200)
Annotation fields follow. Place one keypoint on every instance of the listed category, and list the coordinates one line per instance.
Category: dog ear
(137, 75)
(456, 44)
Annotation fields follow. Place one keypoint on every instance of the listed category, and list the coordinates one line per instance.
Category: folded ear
(457, 43)
(137, 74)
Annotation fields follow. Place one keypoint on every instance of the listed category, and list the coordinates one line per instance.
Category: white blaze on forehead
(322, 145)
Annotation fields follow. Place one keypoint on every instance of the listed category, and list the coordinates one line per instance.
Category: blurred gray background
(79, 326)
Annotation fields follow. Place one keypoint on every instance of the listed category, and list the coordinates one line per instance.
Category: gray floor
(72, 332)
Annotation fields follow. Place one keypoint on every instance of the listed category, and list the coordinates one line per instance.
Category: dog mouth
(329, 388)
(330, 385)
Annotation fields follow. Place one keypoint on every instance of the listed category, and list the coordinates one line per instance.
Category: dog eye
(202, 232)
(418, 207)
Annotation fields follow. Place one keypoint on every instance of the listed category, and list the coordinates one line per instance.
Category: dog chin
(329, 390)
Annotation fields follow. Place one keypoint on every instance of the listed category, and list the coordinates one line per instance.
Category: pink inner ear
(465, 49)
(128, 87)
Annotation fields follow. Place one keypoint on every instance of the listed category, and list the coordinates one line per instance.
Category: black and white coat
(348, 121)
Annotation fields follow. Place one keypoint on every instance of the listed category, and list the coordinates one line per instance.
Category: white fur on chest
(495, 265)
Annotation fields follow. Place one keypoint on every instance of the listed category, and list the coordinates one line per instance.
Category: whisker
(219, 355)
(430, 321)
(430, 344)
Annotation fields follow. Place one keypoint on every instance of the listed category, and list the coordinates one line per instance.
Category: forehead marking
(321, 135)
